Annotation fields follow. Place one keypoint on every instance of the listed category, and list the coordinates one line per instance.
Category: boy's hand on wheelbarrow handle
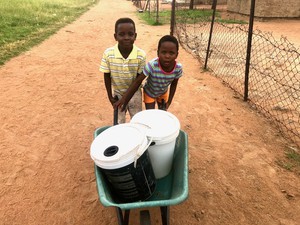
(113, 100)
(120, 104)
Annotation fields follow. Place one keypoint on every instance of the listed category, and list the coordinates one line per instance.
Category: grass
(291, 161)
(185, 16)
(25, 23)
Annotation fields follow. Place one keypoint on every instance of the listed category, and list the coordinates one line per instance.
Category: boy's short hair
(168, 38)
(123, 20)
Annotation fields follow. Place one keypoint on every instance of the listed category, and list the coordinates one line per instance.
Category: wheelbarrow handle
(116, 112)
(163, 103)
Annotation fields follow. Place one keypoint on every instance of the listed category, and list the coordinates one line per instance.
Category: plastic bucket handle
(140, 151)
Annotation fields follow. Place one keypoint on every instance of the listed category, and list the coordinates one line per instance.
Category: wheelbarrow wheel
(145, 217)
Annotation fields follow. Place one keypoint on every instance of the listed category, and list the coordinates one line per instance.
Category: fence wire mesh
(274, 77)
(274, 74)
(155, 10)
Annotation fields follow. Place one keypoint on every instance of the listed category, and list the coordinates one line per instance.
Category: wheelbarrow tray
(170, 190)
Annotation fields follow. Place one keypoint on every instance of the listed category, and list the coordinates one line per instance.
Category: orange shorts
(148, 99)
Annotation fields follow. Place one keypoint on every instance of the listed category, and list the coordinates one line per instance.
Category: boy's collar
(132, 55)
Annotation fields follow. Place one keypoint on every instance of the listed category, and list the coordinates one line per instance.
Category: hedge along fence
(264, 70)
(271, 80)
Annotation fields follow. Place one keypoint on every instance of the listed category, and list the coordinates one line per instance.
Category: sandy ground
(53, 98)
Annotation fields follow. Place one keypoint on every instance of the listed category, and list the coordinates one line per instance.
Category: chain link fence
(274, 69)
(155, 10)
(274, 72)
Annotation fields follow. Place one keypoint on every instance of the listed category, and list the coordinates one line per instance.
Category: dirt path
(52, 99)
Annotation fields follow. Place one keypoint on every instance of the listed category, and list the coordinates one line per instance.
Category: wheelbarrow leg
(123, 220)
(145, 217)
(165, 215)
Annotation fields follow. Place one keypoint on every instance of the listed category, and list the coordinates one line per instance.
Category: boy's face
(167, 54)
(125, 35)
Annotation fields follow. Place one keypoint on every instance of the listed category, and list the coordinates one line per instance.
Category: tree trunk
(192, 4)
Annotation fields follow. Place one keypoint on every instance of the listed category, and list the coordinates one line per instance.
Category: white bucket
(163, 128)
(118, 146)
(120, 152)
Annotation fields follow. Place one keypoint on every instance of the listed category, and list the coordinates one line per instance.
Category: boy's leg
(149, 101)
(121, 115)
(150, 105)
(135, 104)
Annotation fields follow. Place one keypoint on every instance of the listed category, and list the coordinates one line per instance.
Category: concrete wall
(202, 2)
(209, 2)
(267, 8)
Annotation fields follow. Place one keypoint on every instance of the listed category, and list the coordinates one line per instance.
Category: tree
(191, 4)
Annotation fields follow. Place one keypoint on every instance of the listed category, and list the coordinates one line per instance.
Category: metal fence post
(214, 6)
(249, 46)
(172, 24)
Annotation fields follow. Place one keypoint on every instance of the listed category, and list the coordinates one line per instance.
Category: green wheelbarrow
(170, 190)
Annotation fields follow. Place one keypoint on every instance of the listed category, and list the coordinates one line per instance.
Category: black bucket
(121, 153)
(131, 183)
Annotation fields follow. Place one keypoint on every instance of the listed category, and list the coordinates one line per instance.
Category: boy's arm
(107, 81)
(122, 103)
(172, 92)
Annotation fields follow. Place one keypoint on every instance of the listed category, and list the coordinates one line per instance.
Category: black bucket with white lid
(121, 153)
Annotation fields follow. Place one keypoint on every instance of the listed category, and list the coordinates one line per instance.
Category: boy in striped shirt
(162, 75)
(121, 65)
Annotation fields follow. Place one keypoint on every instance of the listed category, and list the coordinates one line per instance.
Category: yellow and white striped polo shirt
(122, 71)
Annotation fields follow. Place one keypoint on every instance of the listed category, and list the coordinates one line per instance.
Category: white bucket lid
(118, 146)
(158, 124)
